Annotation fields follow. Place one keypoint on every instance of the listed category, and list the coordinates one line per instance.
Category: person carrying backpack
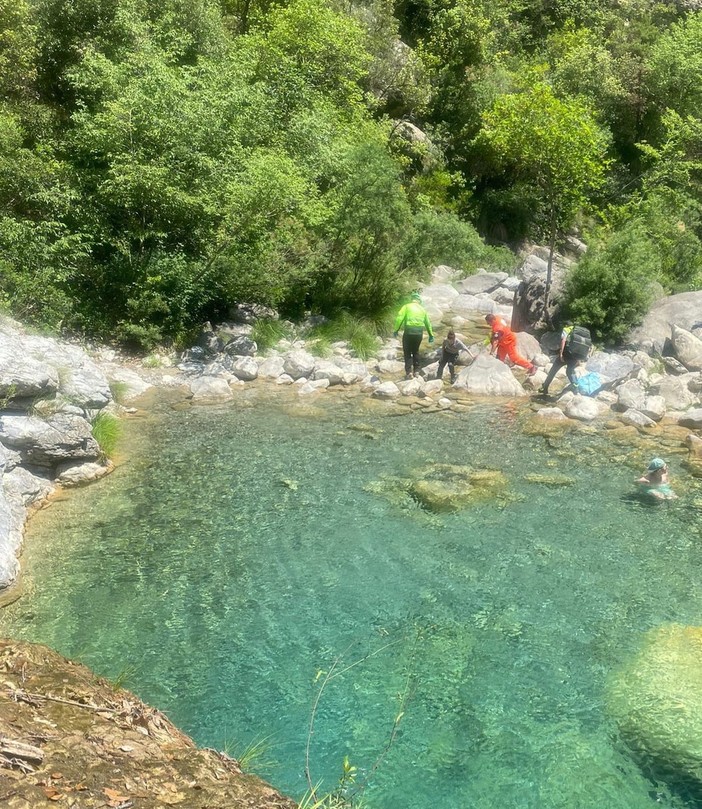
(575, 347)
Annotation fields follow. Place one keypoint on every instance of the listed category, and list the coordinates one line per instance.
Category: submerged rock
(445, 487)
(656, 701)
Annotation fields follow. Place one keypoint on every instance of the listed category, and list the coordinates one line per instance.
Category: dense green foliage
(160, 161)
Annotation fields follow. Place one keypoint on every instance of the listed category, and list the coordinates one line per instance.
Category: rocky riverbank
(52, 393)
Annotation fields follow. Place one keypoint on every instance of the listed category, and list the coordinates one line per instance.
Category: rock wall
(50, 393)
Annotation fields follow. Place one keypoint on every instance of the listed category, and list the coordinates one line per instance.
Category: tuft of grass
(255, 757)
(361, 333)
(151, 361)
(118, 390)
(320, 347)
(106, 430)
(267, 333)
(123, 676)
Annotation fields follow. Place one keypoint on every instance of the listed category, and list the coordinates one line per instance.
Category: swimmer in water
(655, 482)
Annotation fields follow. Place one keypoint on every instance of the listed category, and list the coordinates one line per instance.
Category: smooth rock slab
(487, 376)
(636, 419)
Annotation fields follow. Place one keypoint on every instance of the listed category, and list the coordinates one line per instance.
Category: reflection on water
(241, 552)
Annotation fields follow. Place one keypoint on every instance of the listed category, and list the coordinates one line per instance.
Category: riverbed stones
(487, 376)
(636, 418)
(241, 346)
(655, 700)
(325, 369)
(313, 386)
(411, 387)
(582, 408)
(299, 364)
(271, 367)
(551, 414)
(386, 390)
(675, 392)
(631, 394)
(244, 368)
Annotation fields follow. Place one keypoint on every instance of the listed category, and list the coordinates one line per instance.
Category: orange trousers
(507, 347)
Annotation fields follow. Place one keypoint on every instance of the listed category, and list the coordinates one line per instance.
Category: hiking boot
(543, 390)
(410, 375)
(453, 378)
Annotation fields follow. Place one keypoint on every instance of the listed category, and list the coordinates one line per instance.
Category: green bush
(106, 430)
(609, 289)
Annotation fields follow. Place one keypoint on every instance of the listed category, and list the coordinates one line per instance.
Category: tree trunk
(549, 267)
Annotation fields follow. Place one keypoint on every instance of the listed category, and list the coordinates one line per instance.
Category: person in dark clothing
(450, 349)
(569, 354)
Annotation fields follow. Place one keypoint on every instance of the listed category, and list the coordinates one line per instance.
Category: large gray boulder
(487, 376)
(527, 345)
(529, 299)
(687, 347)
(683, 310)
(610, 367)
(675, 392)
(61, 438)
(386, 390)
(241, 346)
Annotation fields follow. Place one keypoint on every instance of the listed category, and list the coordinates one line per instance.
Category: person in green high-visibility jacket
(413, 319)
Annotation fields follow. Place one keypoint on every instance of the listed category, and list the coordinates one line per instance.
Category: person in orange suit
(504, 342)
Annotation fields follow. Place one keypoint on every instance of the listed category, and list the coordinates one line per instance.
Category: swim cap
(656, 464)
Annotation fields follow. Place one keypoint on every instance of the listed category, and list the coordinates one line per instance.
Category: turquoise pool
(239, 552)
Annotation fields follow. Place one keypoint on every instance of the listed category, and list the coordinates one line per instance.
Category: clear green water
(222, 591)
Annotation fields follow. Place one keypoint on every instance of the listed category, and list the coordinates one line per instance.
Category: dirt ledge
(69, 739)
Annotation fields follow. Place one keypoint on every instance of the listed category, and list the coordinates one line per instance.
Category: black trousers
(571, 363)
(410, 348)
(447, 359)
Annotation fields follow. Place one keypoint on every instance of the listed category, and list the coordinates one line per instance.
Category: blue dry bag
(588, 384)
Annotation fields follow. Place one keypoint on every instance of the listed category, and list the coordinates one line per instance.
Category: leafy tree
(610, 288)
(554, 145)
